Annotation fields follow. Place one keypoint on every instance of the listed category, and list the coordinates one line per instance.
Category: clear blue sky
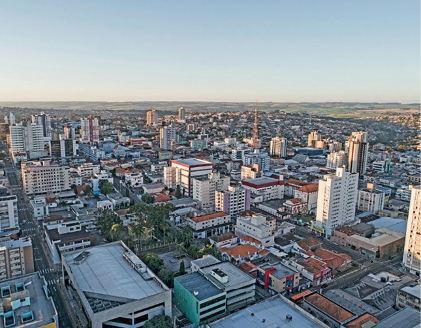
(219, 50)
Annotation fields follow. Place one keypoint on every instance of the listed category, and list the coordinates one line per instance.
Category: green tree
(167, 276)
(105, 222)
(153, 261)
(159, 321)
(148, 199)
(106, 187)
(178, 193)
(116, 231)
(88, 190)
(182, 268)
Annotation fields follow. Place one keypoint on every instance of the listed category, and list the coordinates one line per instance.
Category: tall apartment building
(336, 201)
(263, 159)
(63, 147)
(336, 159)
(16, 257)
(204, 188)
(232, 201)
(17, 138)
(89, 129)
(357, 152)
(182, 172)
(370, 200)
(412, 250)
(29, 138)
(45, 121)
(12, 119)
(278, 147)
(250, 171)
(69, 132)
(152, 117)
(9, 219)
(167, 136)
(313, 137)
(44, 177)
(182, 114)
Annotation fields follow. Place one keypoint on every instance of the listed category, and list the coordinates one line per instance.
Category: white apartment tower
(182, 114)
(358, 152)
(336, 159)
(168, 135)
(204, 188)
(336, 201)
(45, 121)
(12, 119)
(278, 147)
(17, 138)
(313, 137)
(9, 220)
(27, 138)
(152, 117)
(232, 201)
(89, 129)
(412, 250)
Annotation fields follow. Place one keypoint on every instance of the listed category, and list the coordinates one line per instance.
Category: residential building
(278, 147)
(69, 132)
(9, 218)
(17, 138)
(29, 138)
(115, 288)
(27, 303)
(40, 208)
(370, 199)
(16, 257)
(89, 129)
(152, 117)
(225, 239)
(277, 277)
(210, 225)
(198, 299)
(263, 159)
(204, 188)
(268, 188)
(199, 144)
(358, 152)
(43, 120)
(167, 137)
(409, 296)
(336, 159)
(250, 171)
(256, 228)
(63, 147)
(182, 114)
(411, 253)
(382, 166)
(88, 170)
(337, 197)
(182, 173)
(308, 194)
(313, 137)
(43, 178)
(234, 200)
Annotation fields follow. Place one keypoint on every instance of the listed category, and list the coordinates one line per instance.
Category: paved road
(43, 262)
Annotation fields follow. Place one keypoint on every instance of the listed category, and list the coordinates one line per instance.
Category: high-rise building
(370, 200)
(358, 152)
(89, 129)
(204, 188)
(167, 134)
(233, 201)
(69, 132)
(313, 137)
(182, 114)
(336, 159)
(17, 138)
(35, 138)
(412, 250)
(9, 219)
(278, 147)
(336, 201)
(12, 119)
(152, 117)
(29, 138)
(44, 178)
(63, 147)
(17, 257)
(263, 159)
(45, 121)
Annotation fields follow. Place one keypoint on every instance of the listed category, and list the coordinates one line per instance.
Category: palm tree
(115, 231)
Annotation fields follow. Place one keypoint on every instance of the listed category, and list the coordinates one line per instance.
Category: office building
(411, 252)
(152, 117)
(336, 159)
(337, 197)
(45, 178)
(69, 132)
(63, 147)
(370, 200)
(357, 152)
(182, 172)
(204, 188)
(9, 219)
(234, 200)
(115, 288)
(16, 257)
(43, 120)
(167, 137)
(313, 137)
(89, 129)
(278, 147)
(182, 114)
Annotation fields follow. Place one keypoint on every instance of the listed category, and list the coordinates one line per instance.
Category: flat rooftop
(273, 311)
(199, 286)
(105, 271)
(236, 276)
(259, 181)
(281, 270)
(192, 161)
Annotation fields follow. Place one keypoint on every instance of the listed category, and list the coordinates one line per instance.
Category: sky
(238, 50)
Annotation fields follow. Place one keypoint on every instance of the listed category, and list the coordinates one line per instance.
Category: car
(324, 285)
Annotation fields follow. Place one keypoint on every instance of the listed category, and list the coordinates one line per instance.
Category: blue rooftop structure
(398, 225)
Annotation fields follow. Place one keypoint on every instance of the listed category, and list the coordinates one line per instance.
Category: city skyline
(279, 51)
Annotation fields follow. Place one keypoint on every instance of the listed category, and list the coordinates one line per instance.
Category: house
(223, 240)
(243, 252)
(333, 260)
(295, 206)
(308, 194)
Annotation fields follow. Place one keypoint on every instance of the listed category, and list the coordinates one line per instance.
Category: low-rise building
(16, 257)
(9, 219)
(257, 228)
(409, 296)
(308, 194)
(269, 188)
(209, 225)
(277, 277)
(40, 208)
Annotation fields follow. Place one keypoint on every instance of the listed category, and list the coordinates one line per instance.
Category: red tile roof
(209, 216)
(332, 260)
(240, 251)
(313, 187)
(327, 306)
(161, 198)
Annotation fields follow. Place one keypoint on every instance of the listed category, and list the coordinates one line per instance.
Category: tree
(115, 232)
(88, 190)
(106, 187)
(153, 261)
(167, 276)
(105, 222)
(148, 199)
(159, 321)
(178, 193)
(182, 268)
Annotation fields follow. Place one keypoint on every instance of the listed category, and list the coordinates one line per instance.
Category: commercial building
(204, 188)
(412, 250)
(278, 147)
(256, 228)
(337, 197)
(89, 129)
(277, 277)
(63, 147)
(370, 199)
(27, 303)
(313, 137)
(409, 296)
(16, 257)
(357, 152)
(232, 201)
(167, 137)
(263, 159)
(152, 117)
(210, 225)
(44, 178)
(9, 218)
(43, 120)
(182, 173)
(268, 188)
(115, 288)
(336, 159)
